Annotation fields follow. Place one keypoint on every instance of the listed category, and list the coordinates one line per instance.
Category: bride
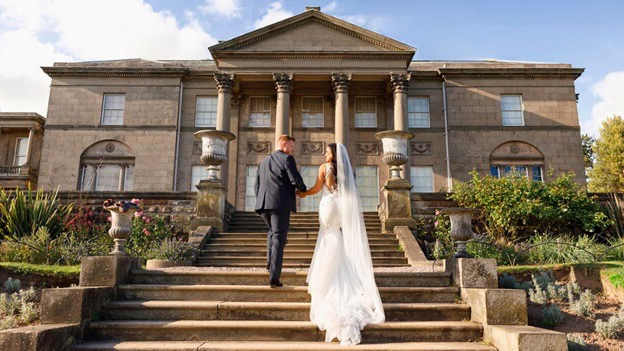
(341, 281)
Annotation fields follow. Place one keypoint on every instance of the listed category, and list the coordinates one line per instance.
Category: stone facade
(21, 136)
(310, 55)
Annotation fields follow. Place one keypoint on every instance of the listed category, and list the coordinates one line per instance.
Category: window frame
(426, 97)
(521, 111)
(500, 167)
(322, 111)
(193, 188)
(270, 111)
(104, 109)
(197, 110)
(18, 142)
(376, 183)
(432, 173)
(355, 113)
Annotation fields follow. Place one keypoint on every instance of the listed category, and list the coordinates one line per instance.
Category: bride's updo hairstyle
(334, 153)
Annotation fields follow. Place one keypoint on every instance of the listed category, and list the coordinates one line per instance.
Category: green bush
(172, 250)
(613, 327)
(23, 213)
(551, 249)
(515, 208)
(18, 308)
(576, 343)
(147, 232)
(552, 316)
(584, 306)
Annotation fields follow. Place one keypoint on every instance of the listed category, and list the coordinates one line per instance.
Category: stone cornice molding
(225, 82)
(283, 82)
(365, 55)
(341, 82)
(114, 72)
(400, 82)
(570, 73)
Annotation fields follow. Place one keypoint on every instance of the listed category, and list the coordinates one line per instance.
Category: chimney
(313, 8)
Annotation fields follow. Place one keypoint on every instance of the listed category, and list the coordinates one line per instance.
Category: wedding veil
(355, 237)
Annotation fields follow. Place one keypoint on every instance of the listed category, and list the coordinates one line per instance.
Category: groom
(277, 181)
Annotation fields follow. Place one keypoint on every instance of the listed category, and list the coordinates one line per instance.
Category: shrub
(612, 327)
(584, 306)
(172, 250)
(551, 249)
(616, 248)
(552, 316)
(147, 232)
(12, 285)
(504, 254)
(18, 308)
(576, 343)
(24, 213)
(514, 208)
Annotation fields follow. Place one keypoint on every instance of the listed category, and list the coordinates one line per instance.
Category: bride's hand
(301, 194)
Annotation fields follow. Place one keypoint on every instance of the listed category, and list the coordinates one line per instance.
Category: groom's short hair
(284, 138)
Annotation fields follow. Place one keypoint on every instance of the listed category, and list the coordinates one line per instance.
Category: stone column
(225, 83)
(400, 85)
(341, 84)
(283, 84)
(29, 147)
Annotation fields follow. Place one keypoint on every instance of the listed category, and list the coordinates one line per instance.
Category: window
(309, 175)
(113, 109)
(107, 177)
(260, 112)
(532, 172)
(365, 112)
(206, 111)
(21, 147)
(418, 112)
(197, 173)
(250, 191)
(368, 187)
(312, 114)
(511, 106)
(422, 179)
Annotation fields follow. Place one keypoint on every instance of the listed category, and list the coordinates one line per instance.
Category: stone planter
(120, 230)
(461, 229)
(155, 264)
(214, 149)
(394, 149)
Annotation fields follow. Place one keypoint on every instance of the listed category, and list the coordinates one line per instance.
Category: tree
(607, 174)
(588, 142)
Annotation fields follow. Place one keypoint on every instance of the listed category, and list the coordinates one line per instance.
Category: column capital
(341, 82)
(400, 82)
(283, 82)
(225, 82)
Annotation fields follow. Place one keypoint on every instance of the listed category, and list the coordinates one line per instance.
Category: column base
(210, 205)
(397, 210)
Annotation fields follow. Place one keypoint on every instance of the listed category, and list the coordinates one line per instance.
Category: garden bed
(40, 276)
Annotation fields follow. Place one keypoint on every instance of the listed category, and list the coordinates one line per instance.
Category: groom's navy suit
(276, 181)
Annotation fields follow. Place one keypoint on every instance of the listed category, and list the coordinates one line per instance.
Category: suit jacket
(276, 181)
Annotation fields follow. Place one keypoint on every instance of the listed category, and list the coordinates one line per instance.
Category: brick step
(260, 261)
(211, 252)
(187, 330)
(274, 346)
(261, 243)
(383, 279)
(263, 293)
(295, 241)
(295, 235)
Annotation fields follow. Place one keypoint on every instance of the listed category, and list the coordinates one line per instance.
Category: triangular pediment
(311, 32)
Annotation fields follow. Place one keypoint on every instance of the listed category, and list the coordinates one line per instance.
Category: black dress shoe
(276, 285)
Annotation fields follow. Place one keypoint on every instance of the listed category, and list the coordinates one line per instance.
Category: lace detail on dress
(329, 170)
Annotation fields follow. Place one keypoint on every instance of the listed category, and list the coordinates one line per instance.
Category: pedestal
(211, 197)
(397, 210)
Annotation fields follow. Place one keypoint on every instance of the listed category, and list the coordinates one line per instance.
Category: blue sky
(588, 34)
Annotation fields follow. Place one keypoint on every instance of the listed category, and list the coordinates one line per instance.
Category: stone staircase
(234, 309)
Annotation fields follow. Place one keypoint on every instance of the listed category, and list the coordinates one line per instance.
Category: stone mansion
(128, 125)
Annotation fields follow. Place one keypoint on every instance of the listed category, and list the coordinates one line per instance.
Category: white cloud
(38, 33)
(372, 23)
(332, 6)
(225, 8)
(610, 92)
(274, 13)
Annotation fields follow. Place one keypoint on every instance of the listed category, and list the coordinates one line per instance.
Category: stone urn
(461, 229)
(394, 149)
(121, 221)
(214, 150)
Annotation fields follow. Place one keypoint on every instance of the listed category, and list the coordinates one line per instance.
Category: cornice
(114, 72)
(373, 55)
(570, 73)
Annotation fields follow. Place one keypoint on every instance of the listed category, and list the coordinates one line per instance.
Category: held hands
(301, 194)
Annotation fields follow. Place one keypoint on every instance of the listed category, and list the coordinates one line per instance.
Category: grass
(615, 273)
(41, 269)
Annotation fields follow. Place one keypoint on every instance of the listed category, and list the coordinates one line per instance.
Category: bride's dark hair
(334, 153)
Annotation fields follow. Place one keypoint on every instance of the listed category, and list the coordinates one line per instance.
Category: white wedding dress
(341, 282)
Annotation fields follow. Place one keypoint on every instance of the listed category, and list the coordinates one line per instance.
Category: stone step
(383, 279)
(264, 293)
(261, 243)
(295, 241)
(294, 219)
(284, 265)
(299, 214)
(259, 261)
(274, 346)
(187, 330)
(295, 235)
(283, 311)
(211, 252)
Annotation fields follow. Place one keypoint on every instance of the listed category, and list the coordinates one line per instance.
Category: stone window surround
(197, 110)
(500, 168)
(104, 107)
(270, 98)
(432, 173)
(521, 110)
(16, 155)
(322, 111)
(124, 163)
(428, 110)
(355, 100)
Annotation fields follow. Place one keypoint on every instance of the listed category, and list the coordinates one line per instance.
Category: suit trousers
(278, 222)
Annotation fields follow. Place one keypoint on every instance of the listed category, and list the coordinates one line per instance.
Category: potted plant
(170, 253)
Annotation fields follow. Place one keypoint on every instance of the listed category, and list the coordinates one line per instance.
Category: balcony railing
(11, 170)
